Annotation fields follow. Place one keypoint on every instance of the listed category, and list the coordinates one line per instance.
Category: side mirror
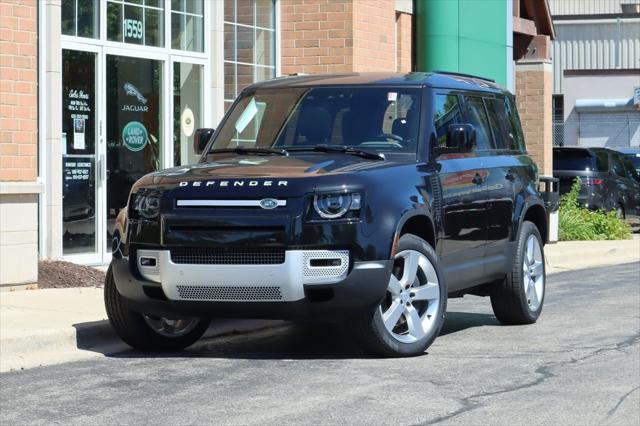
(201, 139)
(460, 138)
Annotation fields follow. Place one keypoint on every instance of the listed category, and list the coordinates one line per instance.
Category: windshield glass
(373, 119)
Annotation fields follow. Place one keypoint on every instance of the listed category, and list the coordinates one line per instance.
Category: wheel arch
(536, 214)
(418, 223)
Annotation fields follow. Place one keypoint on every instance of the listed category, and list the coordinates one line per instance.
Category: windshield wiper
(258, 151)
(339, 149)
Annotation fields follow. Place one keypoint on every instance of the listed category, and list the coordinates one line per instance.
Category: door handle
(477, 179)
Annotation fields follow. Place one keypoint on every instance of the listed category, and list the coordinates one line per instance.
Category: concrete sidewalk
(571, 255)
(41, 327)
(51, 326)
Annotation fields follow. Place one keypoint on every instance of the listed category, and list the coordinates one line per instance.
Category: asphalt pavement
(580, 364)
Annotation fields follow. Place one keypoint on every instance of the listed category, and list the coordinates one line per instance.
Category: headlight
(334, 206)
(146, 206)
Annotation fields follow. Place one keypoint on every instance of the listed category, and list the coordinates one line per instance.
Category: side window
(617, 167)
(446, 111)
(602, 161)
(631, 171)
(516, 127)
(504, 137)
(477, 116)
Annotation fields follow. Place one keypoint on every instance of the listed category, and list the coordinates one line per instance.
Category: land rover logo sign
(134, 136)
(268, 203)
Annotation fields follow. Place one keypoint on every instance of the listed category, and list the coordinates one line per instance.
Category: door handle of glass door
(103, 169)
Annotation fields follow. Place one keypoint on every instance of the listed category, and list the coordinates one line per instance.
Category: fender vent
(230, 293)
(436, 191)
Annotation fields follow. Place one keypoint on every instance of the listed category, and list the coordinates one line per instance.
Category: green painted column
(467, 36)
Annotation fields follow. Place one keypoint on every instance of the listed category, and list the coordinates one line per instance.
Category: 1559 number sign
(132, 28)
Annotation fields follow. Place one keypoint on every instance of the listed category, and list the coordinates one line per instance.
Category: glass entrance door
(134, 133)
(80, 175)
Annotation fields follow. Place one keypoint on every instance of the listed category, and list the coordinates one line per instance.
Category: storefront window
(78, 152)
(136, 22)
(134, 129)
(249, 44)
(80, 18)
(187, 111)
(187, 25)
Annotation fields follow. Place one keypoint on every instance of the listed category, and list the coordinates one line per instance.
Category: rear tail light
(593, 181)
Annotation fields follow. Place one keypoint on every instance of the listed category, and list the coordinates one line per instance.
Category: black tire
(508, 298)
(134, 330)
(370, 331)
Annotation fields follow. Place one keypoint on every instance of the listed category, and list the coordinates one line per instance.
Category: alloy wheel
(170, 327)
(533, 271)
(413, 297)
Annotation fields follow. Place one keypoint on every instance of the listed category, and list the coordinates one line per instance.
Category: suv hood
(259, 175)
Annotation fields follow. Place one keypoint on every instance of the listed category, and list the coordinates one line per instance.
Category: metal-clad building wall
(618, 129)
(595, 45)
(586, 7)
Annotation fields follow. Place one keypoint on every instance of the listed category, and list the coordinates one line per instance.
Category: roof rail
(464, 75)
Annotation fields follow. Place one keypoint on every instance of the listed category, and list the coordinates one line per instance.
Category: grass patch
(578, 223)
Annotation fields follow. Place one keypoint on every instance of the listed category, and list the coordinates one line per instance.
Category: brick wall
(404, 34)
(18, 90)
(316, 36)
(374, 41)
(534, 88)
(325, 36)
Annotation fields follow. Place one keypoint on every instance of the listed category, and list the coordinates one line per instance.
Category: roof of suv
(423, 79)
(581, 148)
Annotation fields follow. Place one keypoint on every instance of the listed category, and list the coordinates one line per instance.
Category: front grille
(230, 293)
(211, 256)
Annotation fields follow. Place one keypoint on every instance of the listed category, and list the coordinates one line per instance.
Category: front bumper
(292, 289)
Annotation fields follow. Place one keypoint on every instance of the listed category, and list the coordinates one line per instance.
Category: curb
(94, 339)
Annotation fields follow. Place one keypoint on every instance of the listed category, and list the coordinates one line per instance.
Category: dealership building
(96, 93)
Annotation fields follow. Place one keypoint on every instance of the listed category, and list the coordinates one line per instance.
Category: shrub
(578, 223)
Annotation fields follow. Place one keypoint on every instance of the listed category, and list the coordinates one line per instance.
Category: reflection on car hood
(252, 171)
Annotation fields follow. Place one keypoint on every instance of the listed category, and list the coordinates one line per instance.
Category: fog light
(325, 263)
(148, 262)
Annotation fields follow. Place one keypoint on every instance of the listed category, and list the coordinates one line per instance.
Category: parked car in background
(609, 180)
(633, 155)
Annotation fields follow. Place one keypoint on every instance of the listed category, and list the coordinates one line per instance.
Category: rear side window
(617, 166)
(602, 161)
(574, 159)
(446, 112)
(503, 131)
(477, 116)
(631, 171)
(516, 127)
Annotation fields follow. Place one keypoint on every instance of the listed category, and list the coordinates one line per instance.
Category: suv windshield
(372, 119)
(579, 159)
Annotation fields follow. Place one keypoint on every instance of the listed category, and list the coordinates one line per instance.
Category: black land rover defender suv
(363, 198)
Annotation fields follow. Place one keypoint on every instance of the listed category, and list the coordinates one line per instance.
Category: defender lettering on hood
(234, 183)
